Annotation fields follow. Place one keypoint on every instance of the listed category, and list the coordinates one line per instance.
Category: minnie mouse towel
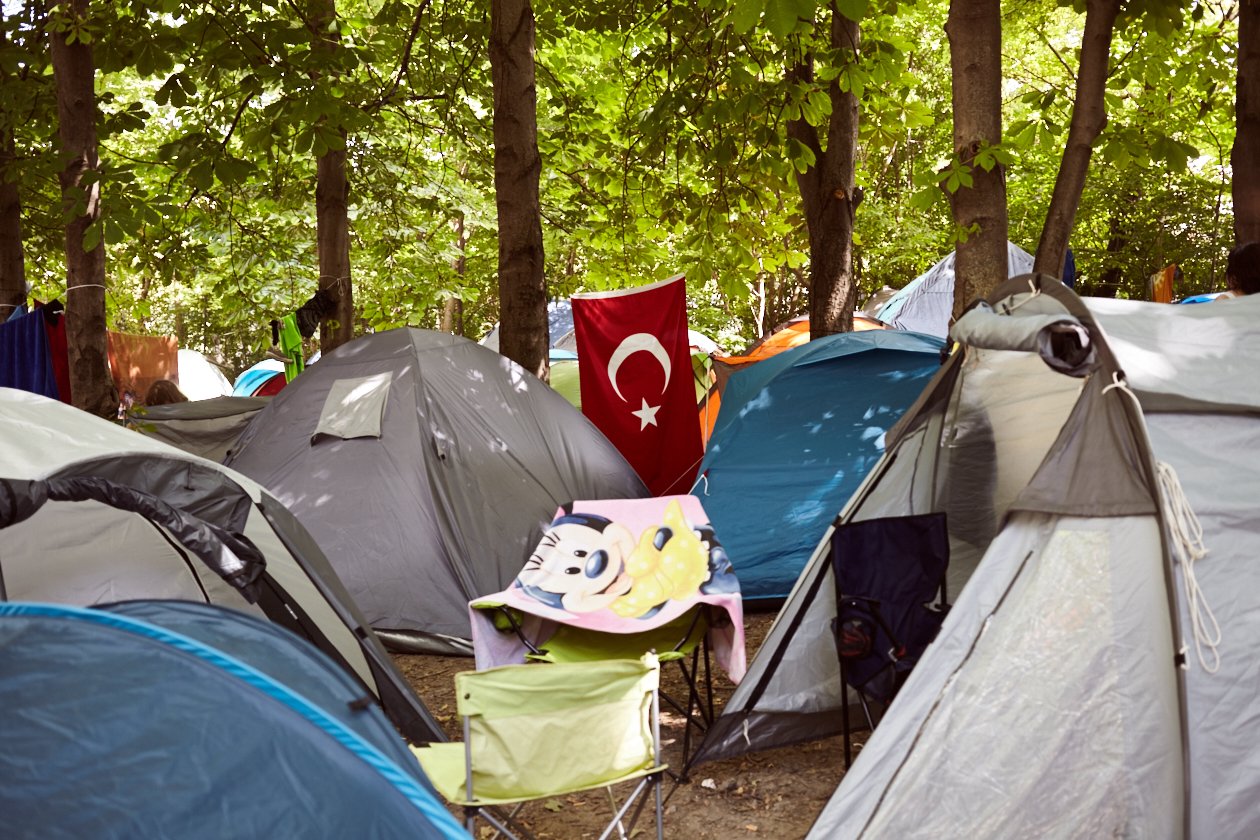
(623, 566)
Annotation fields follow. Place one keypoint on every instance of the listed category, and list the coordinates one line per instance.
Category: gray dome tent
(425, 466)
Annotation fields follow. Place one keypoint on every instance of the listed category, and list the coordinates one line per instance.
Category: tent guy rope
(1186, 534)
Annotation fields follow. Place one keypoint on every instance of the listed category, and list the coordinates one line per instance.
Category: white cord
(1187, 545)
(1033, 288)
(704, 476)
(1186, 534)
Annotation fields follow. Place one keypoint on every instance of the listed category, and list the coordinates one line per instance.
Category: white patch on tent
(873, 433)
(354, 408)
(805, 512)
(760, 402)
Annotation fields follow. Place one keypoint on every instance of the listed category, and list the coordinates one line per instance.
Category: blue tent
(171, 719)
(1203, 298)
(795, 436)
(253, 378)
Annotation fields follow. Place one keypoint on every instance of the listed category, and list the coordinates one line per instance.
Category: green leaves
(780, 17)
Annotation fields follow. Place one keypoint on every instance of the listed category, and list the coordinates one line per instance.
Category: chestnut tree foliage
(675, 137)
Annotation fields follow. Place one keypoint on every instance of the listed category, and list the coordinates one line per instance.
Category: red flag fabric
(636, 379)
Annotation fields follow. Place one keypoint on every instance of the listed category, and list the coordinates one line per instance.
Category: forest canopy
(663, 136)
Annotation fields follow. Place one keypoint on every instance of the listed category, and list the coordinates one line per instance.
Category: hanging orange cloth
(1161, 284)
(137, 361)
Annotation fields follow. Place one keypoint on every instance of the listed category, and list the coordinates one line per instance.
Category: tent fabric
(474, 456)
(926, 303)
(796, 434)
(353, 408)
(122, 761)
(199, 378)
(785, 336)
(1181, 358)
(260, 379)
(1069, 692)
(559, 324)
(206, 428)
(90, 550)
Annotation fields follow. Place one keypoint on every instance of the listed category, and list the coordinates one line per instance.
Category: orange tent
(789, 334)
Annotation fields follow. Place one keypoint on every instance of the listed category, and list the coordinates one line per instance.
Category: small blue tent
(795, 436)
(173, 719)
(252, 379)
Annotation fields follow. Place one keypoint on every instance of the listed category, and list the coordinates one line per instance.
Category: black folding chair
(890, 602)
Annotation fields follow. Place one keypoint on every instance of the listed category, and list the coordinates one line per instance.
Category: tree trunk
(974, 28)
(332, 194)
(522, 287)
(12, 263)
(1089, 116)
(91, 387)
(453, 307)
(827, 191)
(1244, 158)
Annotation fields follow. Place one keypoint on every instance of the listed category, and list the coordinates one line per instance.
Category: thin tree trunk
(1112, 278)
(12, 262)
(1244, 158)
(91, 387)
(517, 166)
(1089, 117)
(974, 28)
(332, 195)
(453, 307)
(827, 191)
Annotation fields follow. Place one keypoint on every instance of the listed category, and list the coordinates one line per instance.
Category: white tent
(91, 512)
(926, 303)
(1077, 687)
(200, 378)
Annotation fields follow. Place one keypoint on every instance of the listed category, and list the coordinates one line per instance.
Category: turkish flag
(636, 379)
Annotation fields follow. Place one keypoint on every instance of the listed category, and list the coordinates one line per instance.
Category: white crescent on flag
(632, 344)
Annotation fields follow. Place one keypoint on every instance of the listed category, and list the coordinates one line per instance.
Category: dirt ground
(775, 794)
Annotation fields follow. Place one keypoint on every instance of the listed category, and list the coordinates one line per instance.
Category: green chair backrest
(670, 641)
(546, 730)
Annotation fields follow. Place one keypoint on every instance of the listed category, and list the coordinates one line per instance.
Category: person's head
(162, 392)
(1242, 272)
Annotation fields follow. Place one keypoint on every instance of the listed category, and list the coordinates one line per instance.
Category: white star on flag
(646, 415)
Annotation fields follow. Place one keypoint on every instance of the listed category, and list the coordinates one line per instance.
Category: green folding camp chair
(536, 731)
(682, 641)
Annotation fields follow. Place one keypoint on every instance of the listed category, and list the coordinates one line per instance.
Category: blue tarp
(115, 726)
(796, 435)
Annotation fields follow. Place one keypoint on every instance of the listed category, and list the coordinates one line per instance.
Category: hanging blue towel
(25, 362)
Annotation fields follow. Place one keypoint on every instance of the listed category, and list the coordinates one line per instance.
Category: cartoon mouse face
(578, 565)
